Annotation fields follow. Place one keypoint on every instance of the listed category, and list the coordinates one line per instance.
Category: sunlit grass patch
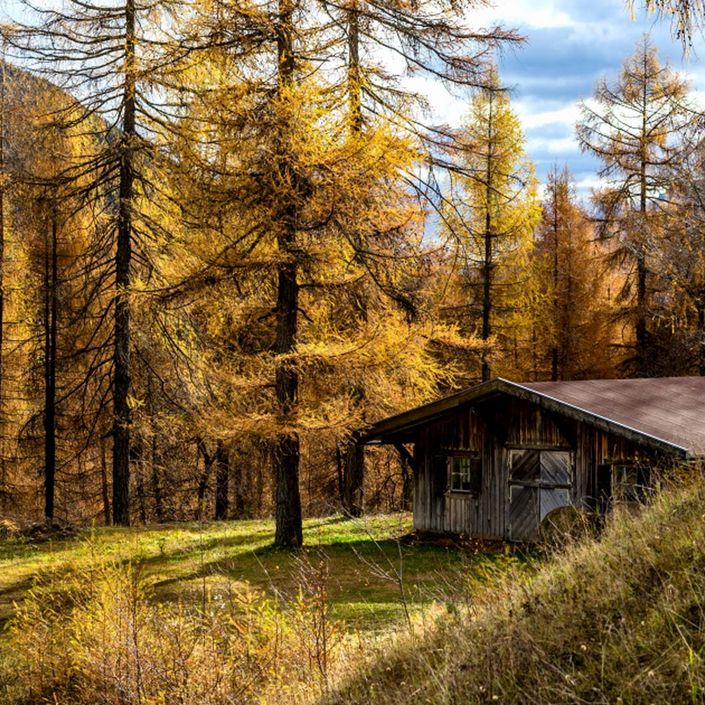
(370, 572)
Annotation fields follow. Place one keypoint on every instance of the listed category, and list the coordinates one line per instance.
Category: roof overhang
(402, 427)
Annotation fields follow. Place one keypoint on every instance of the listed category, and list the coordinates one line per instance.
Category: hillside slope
(616, 621)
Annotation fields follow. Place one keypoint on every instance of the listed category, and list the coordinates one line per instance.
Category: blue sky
(570, 45)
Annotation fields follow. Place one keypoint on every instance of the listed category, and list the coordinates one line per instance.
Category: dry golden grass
(210, 614)
(619, 620)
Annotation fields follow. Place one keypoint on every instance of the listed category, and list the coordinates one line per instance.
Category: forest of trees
(230, 237)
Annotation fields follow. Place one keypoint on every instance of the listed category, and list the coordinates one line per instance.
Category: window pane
(465, 473)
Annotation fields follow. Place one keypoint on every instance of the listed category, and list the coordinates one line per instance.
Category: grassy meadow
(371, 576)
(210, 614)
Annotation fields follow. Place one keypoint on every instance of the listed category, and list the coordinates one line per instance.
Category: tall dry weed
(102, 638)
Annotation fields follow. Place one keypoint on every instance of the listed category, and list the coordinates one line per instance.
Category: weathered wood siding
(494, 428)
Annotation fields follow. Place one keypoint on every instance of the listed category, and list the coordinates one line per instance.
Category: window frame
(474, 484)
(627, 486)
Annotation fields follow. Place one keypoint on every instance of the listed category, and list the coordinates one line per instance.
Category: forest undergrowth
(617, 618)
(212, 614)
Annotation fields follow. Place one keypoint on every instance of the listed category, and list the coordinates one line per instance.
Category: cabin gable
(494, 467)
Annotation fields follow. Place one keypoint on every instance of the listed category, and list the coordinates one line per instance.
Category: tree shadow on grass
(364, 576)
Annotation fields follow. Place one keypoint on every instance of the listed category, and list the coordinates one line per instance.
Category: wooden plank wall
(493, 429)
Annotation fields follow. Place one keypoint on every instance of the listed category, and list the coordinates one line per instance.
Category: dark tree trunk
(208, 461)
(567, 347)
(351, 462)
(154, 454)
(701, 337)
(354, 76)
(641, 332)
(289, 530)
(641, 329)
(156, 483)
(2, 258)
(286, 453)
(222, 480)
(50, 338)
(556, 303)
(351, 467)
(487, 264)
(341, 477)
(353, 478)
(104, 484)
(257, 481)
(487, 297)
(554, 363)
(238, 490)
(123, 260)
(407, 487)
(137, 466)
(406, 461)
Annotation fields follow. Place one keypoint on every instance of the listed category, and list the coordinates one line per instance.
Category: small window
(465, 473)
(630, 482)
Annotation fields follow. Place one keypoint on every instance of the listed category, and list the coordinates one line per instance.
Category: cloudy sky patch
(570, 45)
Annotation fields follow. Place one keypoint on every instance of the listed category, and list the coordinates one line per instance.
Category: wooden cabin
(493, 460)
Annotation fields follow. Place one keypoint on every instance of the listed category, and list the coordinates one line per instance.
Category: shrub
(102, 639)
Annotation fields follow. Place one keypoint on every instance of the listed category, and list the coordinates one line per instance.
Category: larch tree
(55, 305)
(434, 40)
(303, 222)
(494, 208)
(681, 254)
(109, 57)
(634, 126)
(3, 234)
(685, 16)
(573, 313)
(5, 182)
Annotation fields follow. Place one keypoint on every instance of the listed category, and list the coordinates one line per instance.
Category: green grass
(184, 562)
(618, 618)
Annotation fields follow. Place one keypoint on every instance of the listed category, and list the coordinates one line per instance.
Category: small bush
(102, 639)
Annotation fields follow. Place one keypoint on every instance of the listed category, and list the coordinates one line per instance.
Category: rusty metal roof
(671, 409)
(665, 412)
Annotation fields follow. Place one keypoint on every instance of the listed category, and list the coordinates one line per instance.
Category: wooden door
(556, 480)
(539, 482)
(524, 496)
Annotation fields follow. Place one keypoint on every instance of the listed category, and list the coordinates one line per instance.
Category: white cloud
(524, 13)
(446, 107)
(552, 146)
(532, 116)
